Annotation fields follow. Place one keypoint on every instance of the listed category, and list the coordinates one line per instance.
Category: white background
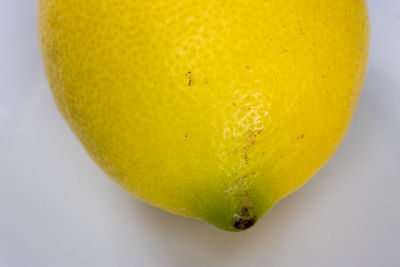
(58, 209)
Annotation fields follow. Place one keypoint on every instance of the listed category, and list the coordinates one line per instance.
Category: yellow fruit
(208, 109)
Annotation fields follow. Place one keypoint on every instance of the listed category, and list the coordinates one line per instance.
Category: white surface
(58, 209)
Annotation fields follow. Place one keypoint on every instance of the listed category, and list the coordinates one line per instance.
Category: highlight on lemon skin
(207, 109)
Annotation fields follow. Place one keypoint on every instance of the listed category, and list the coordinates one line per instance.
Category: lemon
(207, 109)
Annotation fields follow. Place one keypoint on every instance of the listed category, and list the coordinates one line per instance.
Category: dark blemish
(245, 155)
(252, 140)
(244, 224)
(282, 156)
(244, 211)
(249, 108)
(253, 173)
(300, 136)
(189, 74)
(186, 136)
(259, 131)
(53, 55)
(248, 67)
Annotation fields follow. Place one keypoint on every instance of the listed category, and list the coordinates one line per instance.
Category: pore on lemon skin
(207, 109)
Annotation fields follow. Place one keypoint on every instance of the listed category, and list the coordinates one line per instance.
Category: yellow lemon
(208, 109)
